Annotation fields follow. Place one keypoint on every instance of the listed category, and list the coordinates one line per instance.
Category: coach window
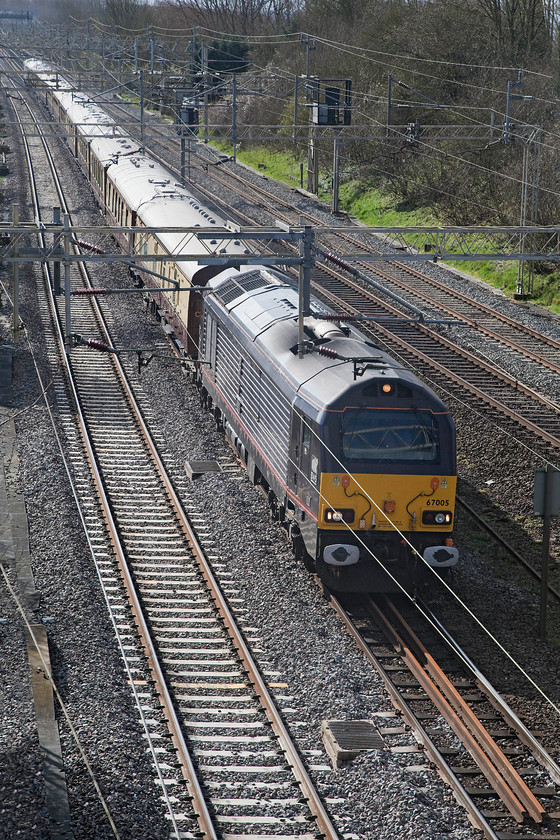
(301, 442)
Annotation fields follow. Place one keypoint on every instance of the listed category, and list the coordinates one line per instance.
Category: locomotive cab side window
(390, 435)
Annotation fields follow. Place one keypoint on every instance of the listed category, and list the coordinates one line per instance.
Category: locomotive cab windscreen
(392, 426)
(389, 436)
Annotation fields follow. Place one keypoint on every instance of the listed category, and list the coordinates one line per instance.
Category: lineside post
(336, 172)
(183, 179)
(547, 505)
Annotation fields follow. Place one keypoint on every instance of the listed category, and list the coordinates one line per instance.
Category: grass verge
(378, 209)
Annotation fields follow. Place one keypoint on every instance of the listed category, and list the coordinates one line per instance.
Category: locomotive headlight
(440, 517)
(342, 515)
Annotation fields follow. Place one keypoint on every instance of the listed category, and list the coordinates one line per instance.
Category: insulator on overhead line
(338, 261)
(89, 247)
(94, 343)
(326, 351)
(91, 292)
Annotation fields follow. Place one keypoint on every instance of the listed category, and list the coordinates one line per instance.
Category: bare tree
(238, 17)
(521, 27)
(129, 13)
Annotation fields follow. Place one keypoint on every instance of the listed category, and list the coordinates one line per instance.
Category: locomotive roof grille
(234, 287)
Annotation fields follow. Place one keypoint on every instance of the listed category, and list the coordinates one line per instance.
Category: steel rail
(498, 770)
(292, 756)
(314, 802)
(516, 808)
(187, 767)
(487, 310)
(480, 327)
(434, 755)
(497, 700)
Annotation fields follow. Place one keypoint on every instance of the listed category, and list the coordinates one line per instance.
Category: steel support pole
(183, 179)
(204, 61)
(520, 290)
(389, 103)
(336, 172)
(15, 277)
(305, 250)
(296, 91)
(68, 324)
(142, 108)
(234, 116)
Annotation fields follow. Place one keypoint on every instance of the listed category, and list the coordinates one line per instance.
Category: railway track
(421, 290)
(223, 757)
(507, 781)
(498, 795)
(494, 390)
(146, 551)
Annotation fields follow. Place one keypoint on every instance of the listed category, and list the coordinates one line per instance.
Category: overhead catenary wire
(504, 650)
(363, 52)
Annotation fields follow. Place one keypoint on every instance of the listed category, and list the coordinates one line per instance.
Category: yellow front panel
(386, 501)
